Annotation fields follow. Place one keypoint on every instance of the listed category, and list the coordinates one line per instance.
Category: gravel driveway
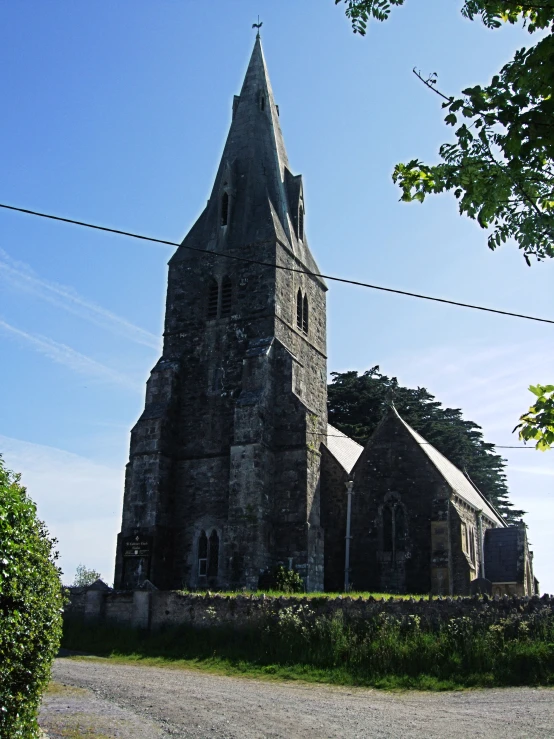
(136, 702)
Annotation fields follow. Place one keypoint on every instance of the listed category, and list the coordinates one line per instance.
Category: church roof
(454, 477)
(344, 449)
(254, 170)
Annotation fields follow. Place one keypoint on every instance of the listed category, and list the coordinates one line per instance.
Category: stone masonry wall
(163, 609)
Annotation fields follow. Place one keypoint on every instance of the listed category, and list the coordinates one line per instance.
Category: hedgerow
(31, 602)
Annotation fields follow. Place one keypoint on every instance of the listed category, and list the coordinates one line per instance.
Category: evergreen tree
(356, 405)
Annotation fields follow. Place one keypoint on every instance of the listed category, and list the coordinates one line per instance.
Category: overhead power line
(343, 280)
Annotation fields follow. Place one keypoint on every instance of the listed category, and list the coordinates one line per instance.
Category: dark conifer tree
(357, 403)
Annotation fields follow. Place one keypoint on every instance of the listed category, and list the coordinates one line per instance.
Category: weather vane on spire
(258, 25)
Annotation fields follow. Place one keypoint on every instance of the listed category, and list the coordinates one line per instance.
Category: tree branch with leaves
(501, 165)
(538, 423)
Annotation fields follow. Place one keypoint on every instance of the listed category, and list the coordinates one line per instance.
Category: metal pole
(481, 544)
(349, 486)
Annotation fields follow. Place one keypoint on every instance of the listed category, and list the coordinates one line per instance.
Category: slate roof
(501, 554)
(344, 449)
(454, 477)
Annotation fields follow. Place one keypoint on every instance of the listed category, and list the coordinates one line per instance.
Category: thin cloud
(79, 500)
(20, 276)
(73, 360)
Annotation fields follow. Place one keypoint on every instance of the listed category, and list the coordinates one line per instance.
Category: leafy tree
(84, 576)
(31, 602)
(501, 166)
(538, 423)
(356, 404)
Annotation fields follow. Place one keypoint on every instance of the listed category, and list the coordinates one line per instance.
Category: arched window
(213, 561)
(224, 208)
(399, 528)
(305, 315)
(262, 102)
(395, 532)
(202, 554)
(299, 309)
(226, 297)
(387, 529)
(213, 295)
(301, 221)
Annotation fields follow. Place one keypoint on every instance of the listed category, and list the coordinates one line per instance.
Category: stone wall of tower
(309, 386)
(229, 439)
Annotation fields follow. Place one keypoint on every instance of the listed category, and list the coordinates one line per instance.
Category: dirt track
(136, 702)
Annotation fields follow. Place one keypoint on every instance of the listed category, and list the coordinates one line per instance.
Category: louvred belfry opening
(226, 297)
(213, 297)
(224, 208)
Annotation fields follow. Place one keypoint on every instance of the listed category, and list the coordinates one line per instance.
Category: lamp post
(349, 493)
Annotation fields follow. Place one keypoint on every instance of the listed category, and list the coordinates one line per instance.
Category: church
(233, 467)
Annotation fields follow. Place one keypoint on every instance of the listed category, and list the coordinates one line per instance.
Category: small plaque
(137, 546)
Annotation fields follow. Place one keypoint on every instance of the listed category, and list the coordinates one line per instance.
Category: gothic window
(226, 297)
(299, 309)
(213, 297)
(465, 547)
(387, 529)
(224, 208)
(472, 544)
(220, 298)
(262, 102)
(202, 554)
(394, 529)
(302, 311)
(213, 561)
(399, 527)
(301, 221)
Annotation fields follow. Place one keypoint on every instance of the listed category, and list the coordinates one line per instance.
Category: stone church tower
(223, 480)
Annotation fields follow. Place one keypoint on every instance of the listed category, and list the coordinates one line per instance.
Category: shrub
(281, 579)
(31, 601)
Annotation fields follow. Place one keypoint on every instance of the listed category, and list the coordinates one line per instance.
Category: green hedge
(31, 602)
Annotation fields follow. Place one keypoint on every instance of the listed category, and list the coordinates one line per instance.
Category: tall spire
(263, 198)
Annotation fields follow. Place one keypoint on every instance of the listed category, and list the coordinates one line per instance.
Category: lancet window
(213, 298)
(226, 297)
(302, 311)
(394, 528)
(213, 560)
(208, 554)
(202, 554)
(305, 314)
(301, 221)
(220, 298)
(224, 208)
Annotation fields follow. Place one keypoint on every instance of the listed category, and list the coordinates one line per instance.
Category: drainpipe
(481, 547)
(349, 493)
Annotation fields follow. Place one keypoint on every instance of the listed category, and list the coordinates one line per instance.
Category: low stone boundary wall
(157, 609)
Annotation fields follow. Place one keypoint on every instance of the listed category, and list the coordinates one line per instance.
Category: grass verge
(382, 652)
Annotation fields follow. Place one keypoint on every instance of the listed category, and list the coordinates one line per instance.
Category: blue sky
(116, 113)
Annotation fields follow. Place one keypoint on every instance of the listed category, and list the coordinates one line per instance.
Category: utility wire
(275, 266)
